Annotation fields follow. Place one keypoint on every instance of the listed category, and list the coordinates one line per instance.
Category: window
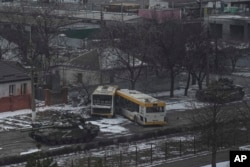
(79, 78)
(23, 88)
(128, 105)
(155, 109)
(12, 89)
(105, 100)
(237, 32)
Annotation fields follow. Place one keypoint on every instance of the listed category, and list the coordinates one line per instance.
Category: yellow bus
(140, 108)
(103, 101)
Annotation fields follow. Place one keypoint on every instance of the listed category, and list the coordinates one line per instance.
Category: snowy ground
(22, 118)
(221, 164)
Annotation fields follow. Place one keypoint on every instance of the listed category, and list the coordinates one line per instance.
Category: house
(231, 23)
(82, 69)
(15, 87)
(92, 68)
(229, 26)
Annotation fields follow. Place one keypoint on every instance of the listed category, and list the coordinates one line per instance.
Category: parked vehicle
(141, 108)
(69, 130)
(103, 101)
(221, 91)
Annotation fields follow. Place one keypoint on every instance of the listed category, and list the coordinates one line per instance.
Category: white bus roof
(105, 90)
(144, 98)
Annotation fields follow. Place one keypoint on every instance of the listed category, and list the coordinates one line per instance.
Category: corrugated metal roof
(11, 73)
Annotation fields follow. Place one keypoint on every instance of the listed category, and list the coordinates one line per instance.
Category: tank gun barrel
(36, 128)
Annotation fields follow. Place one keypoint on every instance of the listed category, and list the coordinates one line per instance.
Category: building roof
(106, 59)
(10, 72)
(89, 60)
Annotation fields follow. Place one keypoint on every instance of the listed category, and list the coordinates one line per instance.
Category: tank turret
(70, 129)
(221, 91)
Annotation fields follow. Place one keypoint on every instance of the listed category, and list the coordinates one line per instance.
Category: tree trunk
(200, 84)
(132, 80)
(233, 66)
(172, 77)
(193, 79)
(214, 152)
(132, 84)
(214, 137)
(207, 70)
(1, 53)
(187, 84)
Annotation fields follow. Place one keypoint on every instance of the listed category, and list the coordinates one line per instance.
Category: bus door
(142, 113)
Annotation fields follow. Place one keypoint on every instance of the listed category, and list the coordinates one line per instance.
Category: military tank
(66, 131)
(221, 91)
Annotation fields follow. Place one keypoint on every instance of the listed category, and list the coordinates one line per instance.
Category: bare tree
(244, 115)
(36, 27)
(46, 28)
(198, 57)
(233, 51)
(168, 40)
(14, 31)
(129, 45)
(214, 120)
(5, 48)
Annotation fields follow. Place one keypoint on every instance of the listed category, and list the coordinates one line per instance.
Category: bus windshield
(105, 100)
(155, 109)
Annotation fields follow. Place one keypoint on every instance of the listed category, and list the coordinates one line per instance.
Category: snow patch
(221, 164)
(14, 113)
(30, 151)
(55, 148)
(112, 125)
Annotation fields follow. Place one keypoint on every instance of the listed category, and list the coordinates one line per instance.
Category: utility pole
(201, 9)
(33, 104)
(122, 11)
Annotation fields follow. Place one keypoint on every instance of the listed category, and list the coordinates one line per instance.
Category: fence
(140, 154)
(147, 153)
(52, 97)
(133, 154)
(12, 103)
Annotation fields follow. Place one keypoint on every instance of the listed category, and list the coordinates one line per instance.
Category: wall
(160, 15)
(68, 76)
(4, 88)
(56, 97)
(13, 103)
(233, 26)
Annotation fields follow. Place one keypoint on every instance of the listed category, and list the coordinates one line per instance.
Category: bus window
(155, 109)
(102, 100)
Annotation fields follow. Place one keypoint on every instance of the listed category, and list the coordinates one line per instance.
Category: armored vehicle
(66, 131)
(221, 91)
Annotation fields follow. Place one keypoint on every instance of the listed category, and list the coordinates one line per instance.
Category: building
(15, 87)
(92, 68)
(82, 69)
(232, 22)
(229, 27)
